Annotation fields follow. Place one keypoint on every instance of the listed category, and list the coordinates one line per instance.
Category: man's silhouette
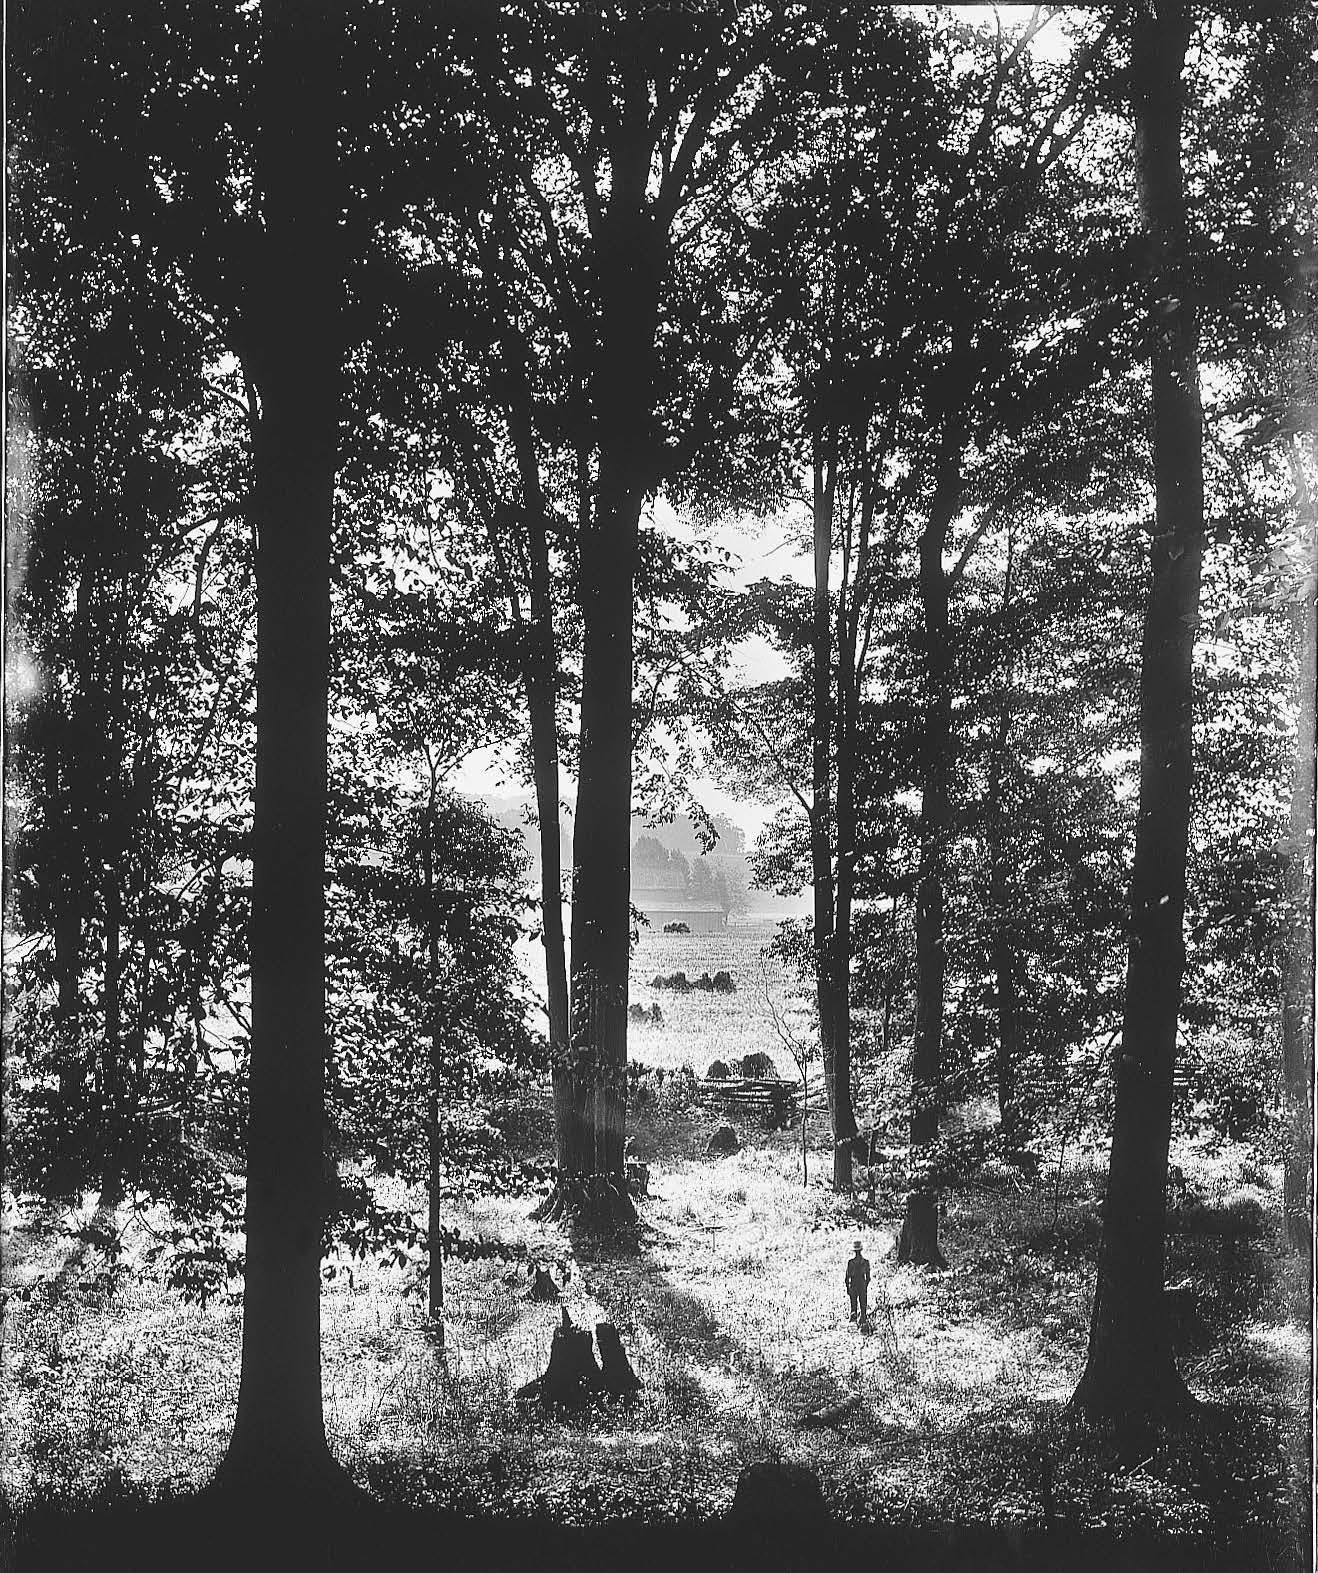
(858, 1284)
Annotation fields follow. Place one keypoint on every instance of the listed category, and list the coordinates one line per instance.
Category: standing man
(858, 1284)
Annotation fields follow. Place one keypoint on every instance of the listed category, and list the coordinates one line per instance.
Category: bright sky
(759, 552)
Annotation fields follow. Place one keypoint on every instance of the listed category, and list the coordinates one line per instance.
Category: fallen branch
(818, 1419)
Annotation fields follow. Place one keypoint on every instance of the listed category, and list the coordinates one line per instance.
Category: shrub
(677, 1096)
(723, 982)
(718, 1071)
(1231, 1077)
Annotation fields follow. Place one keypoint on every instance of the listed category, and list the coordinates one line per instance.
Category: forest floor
(734, 1317)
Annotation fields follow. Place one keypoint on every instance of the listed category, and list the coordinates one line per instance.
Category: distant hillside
(664, 857)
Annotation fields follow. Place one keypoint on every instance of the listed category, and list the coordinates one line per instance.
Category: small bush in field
(677, 1097)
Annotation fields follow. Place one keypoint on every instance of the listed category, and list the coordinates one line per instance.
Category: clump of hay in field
(677, 981)
(723, 1143)
(723, 982)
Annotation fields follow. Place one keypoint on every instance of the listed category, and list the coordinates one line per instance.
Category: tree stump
(778, 1495)
(544, 1287)
(572, 1380)
(619, 1378)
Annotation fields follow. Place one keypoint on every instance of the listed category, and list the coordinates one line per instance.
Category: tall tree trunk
(294, 351)
(1007, 1057)
(918, 1242)
(66, 924)
(434, 1145)
(542, 711)
(113, 1079)
(821, 784)
(1129, 1375)
(590, 1140)
(844, 1117)
(848, 698)
(1297, 965)
(539, 678)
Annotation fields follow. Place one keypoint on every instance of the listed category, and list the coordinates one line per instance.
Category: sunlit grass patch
(735, 1318)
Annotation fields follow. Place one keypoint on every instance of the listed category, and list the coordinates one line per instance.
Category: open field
(699, 1027)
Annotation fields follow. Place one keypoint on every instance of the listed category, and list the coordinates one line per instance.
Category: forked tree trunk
(918, 1241)
(1130, 1375)
(1297, 966)
(294, 352)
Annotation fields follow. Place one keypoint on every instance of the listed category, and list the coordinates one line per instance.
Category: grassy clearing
(734, 1317)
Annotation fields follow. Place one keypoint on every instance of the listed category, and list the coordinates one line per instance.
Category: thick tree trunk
(592, 1185)
(918, 1242)
(1297, 965)
(1129, 1375)
(294, 351)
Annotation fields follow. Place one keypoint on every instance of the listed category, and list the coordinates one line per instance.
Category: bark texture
(918, 1242)
(591, 1078)
(1130, 1376)
(293, 353)
(1297, 1008)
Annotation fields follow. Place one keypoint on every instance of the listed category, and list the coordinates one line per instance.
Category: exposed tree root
(597, 1208)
